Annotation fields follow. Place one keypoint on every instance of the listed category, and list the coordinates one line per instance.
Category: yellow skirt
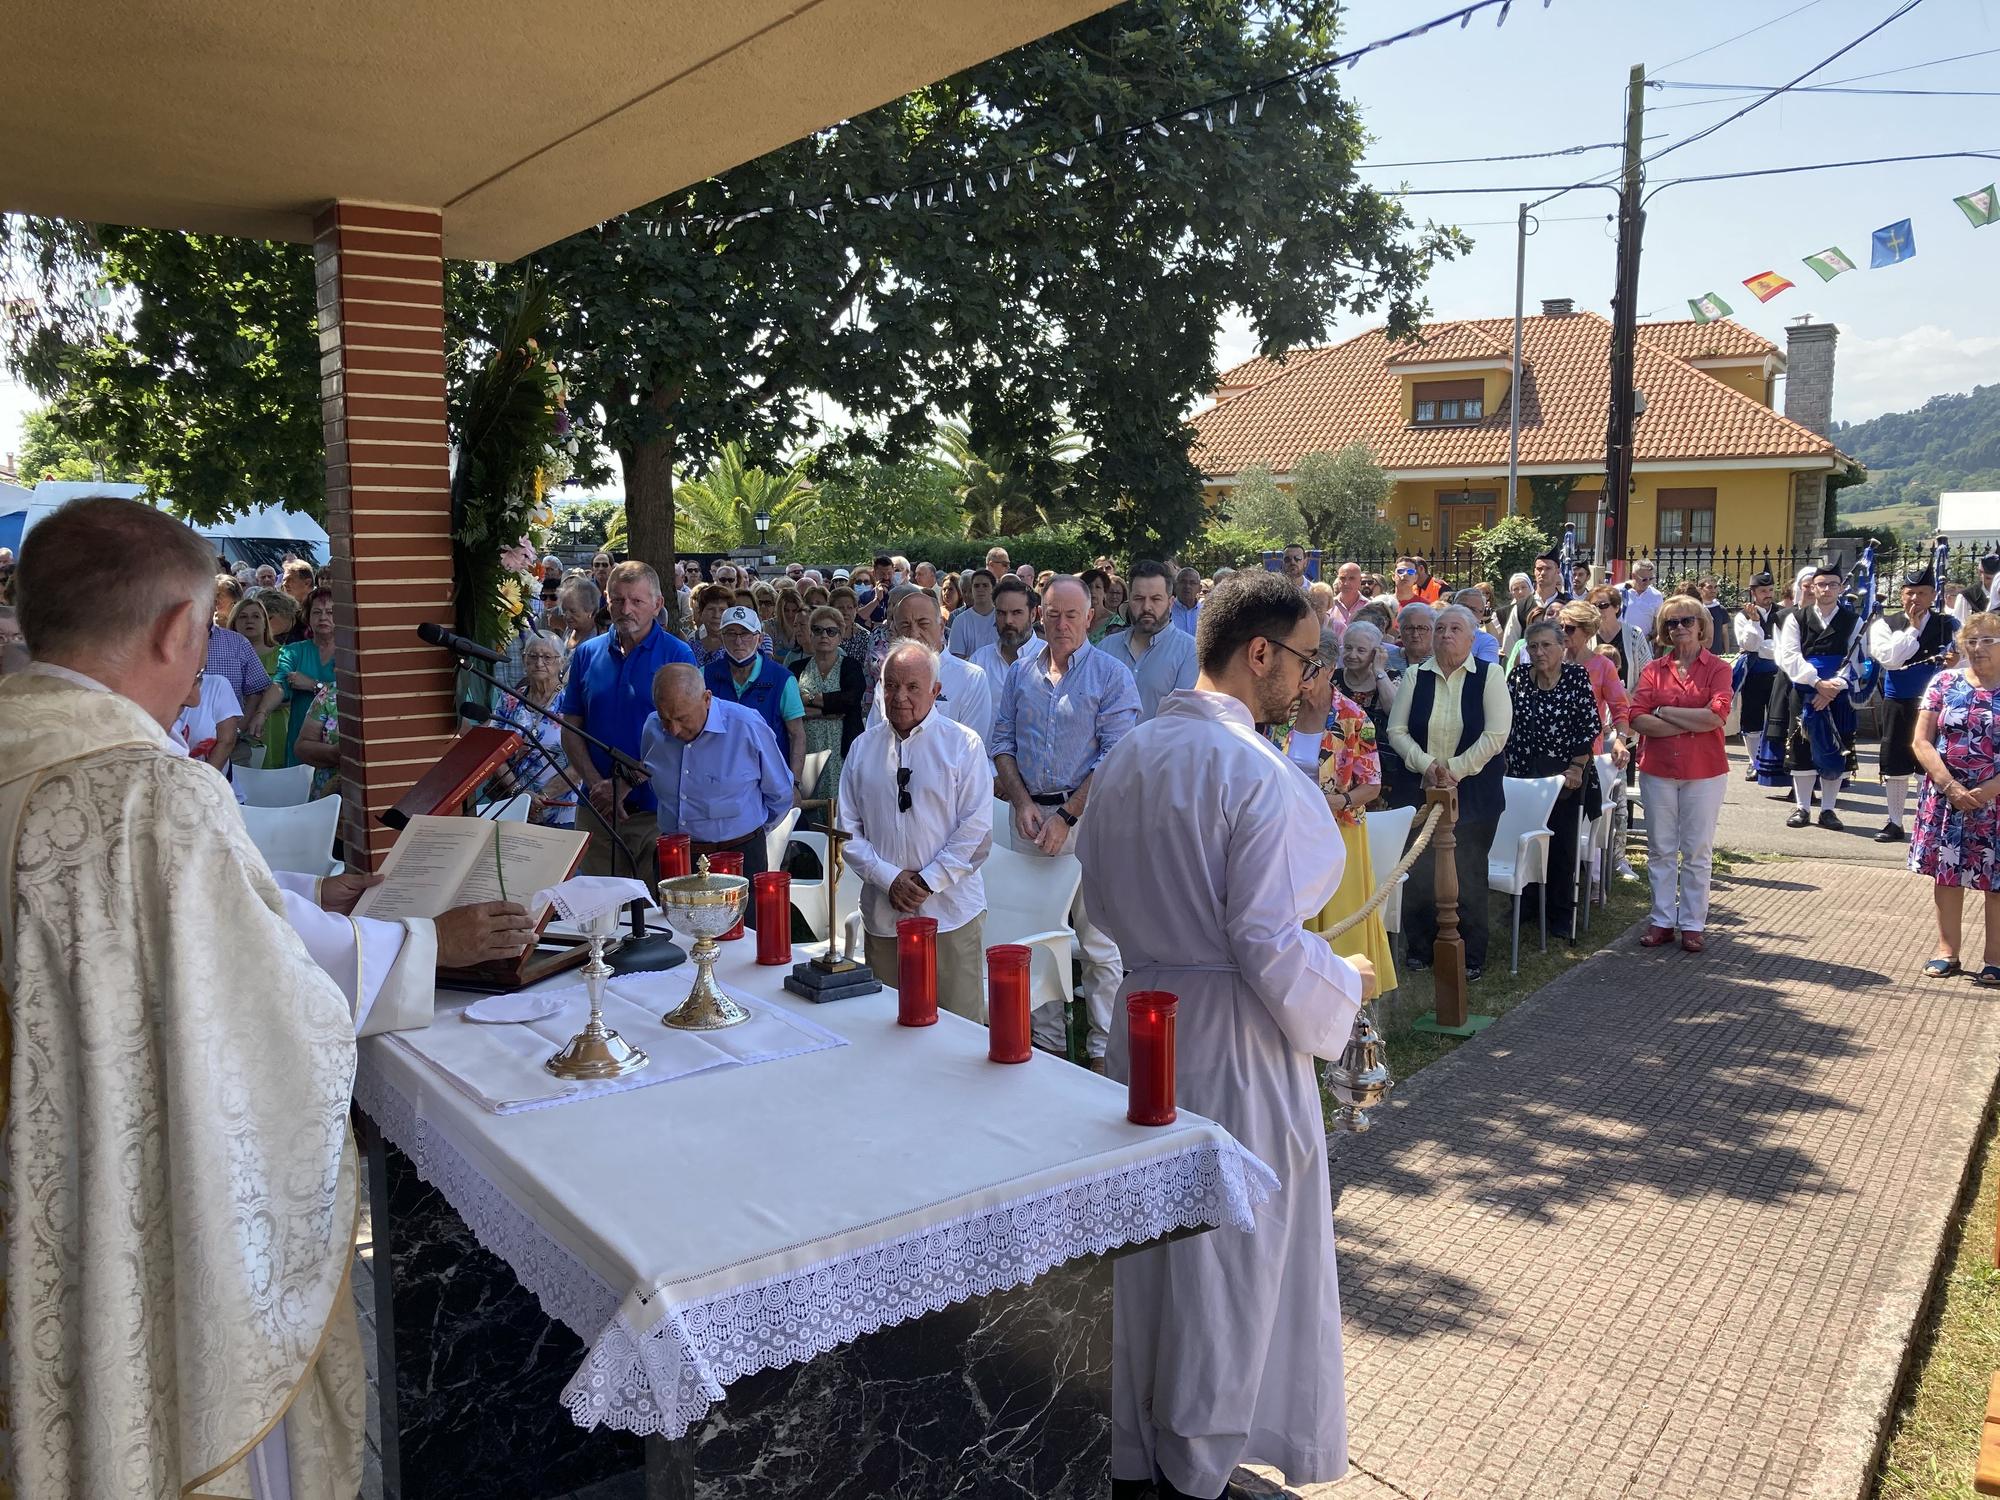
(1368, 939)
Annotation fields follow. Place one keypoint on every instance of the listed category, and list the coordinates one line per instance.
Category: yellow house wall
(1749, 379)
(1493, 382)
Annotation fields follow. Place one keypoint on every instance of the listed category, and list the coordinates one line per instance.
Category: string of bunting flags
(1890, 245)
(968, 182)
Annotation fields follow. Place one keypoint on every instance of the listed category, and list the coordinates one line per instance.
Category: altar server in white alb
(1204, 853)
(182, 1185)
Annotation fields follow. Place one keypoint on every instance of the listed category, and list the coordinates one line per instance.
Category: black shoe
(1472, 973)
(1779, 797)
(1828, 818)
(1892, 833)
(1800, 818)
(1415, 964)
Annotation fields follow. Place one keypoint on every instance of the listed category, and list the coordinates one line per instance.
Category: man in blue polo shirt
(610, 696)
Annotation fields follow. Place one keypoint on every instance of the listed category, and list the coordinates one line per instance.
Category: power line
(1707, 130)
(1455, 161)
(1717, 47)
(1828, 88)
(1990, 154)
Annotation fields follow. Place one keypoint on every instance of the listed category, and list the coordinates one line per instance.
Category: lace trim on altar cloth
(665, 1379)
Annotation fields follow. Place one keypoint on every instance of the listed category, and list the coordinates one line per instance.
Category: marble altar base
(1006, 1396)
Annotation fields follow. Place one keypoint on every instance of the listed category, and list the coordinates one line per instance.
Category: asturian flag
(1767, 284)
(1829, 263)
(1708, 308)
(1981, 206)
(1893, 242)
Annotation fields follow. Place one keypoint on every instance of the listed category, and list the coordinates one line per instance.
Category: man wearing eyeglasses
(916, 805)
(1642, 600)
(1450, 726)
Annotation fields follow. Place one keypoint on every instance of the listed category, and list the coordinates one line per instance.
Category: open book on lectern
(442, 862)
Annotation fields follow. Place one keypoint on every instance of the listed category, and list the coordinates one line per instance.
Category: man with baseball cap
(747, 675)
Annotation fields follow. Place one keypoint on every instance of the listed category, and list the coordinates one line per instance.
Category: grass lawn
(1936, 1434)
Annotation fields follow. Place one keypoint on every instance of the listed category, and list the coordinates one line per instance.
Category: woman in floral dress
(1956, 840)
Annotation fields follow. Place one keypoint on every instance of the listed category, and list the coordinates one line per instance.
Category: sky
(1555, 76)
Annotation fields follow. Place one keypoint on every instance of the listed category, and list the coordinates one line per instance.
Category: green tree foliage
(1509, 546)
(1257, 507)
(718, 512)
(1340, 497)
(872, 504)
(596, 516)
(1551, 504)
(1948, 443)
(1002, 493)
(1228, 546)
(48, 452)
(189, 358)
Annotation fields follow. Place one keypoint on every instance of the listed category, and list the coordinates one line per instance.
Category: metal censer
(1361, 1078)
(704, 905)
(597, 1051)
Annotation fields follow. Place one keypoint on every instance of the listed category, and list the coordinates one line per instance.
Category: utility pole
(1514, 382)
(1613, 506)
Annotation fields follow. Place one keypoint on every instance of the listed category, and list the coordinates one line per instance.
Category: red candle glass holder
(916, 971)
(1150, 1019)
(771, 900)
(675, 855)
(728, 862)
(1007, 1036)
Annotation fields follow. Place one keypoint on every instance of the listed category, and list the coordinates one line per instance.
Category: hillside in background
(1948, 443)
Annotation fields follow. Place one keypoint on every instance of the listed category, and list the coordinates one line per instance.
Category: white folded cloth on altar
(501, 1066)
(584, 897)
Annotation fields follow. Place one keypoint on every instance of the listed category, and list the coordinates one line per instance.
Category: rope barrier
(1346, 924)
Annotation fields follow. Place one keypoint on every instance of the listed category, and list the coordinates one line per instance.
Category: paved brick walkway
(1665, 1230)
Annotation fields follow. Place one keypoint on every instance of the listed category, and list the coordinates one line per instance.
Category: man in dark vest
(1450, 726)
(1756, 664)
(746, 674)
(1814, 645)
(1910, 647)
(1978, 596)
(1548, 589)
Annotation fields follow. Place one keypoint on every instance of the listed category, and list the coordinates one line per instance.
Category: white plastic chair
(1028, 899)
(298, 840)
(513, 810)
(1388, 835)
(1604, 843)
(809, 774)
(778, 838)
(809, 896)
(1519, 857)
(289, 787)
(1003, 825)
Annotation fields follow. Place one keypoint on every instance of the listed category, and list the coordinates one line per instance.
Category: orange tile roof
(1350, 392)
(1255, 371)
(1720, 339)
(1439, 342)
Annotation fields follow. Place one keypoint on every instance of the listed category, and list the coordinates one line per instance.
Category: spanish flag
(1767, 284)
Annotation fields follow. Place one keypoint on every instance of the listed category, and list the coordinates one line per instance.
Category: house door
(1460, 512)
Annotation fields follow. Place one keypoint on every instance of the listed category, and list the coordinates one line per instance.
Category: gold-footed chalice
(597, 1051)
(704, 905)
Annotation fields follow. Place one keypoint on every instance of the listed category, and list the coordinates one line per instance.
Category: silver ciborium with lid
(704, 905)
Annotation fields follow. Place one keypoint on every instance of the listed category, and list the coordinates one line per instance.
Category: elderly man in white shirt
(964, 694)
(916, 805)
(1642, 600)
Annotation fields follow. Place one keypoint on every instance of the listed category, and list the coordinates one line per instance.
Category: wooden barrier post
(1451, 1017)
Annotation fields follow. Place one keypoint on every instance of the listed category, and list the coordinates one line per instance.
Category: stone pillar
(388, 501)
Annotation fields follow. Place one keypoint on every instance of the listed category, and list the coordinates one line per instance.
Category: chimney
(1558, 307)
(1809, 373)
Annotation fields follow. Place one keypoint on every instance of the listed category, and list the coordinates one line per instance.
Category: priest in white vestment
(1204, 853)
(180, 1184)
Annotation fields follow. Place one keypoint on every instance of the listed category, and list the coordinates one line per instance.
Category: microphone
(459, 645)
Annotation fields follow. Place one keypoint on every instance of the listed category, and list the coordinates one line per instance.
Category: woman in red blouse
(1678, 711)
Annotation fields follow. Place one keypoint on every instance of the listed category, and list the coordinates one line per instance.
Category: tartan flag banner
(1708, 308)
(1893, 242)
(1767, 284)
(1981, 206)
(1829, 263)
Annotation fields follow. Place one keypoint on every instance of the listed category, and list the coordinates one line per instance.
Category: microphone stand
(640, 949)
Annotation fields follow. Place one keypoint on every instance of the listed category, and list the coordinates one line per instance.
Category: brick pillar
(388, 500)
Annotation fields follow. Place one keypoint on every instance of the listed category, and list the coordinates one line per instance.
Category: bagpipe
(1863, 671)
(1568, 557)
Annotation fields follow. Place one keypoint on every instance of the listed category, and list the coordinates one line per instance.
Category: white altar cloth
(748, 1218)
(501, 1065)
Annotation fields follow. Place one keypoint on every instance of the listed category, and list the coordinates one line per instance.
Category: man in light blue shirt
(1060, 714)
(716, 769)
(1160, 658)
(1187, 599)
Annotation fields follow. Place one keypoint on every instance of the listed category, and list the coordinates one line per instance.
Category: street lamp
(763, 519)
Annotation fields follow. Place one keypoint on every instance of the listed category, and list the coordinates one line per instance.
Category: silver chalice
(704, 905)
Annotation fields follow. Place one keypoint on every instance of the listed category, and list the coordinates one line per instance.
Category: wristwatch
(1067, 816)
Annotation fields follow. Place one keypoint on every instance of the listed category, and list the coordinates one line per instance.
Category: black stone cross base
(1006, 1396)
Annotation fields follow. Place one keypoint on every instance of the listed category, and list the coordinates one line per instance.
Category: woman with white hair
(535, 768)
(1412, 646)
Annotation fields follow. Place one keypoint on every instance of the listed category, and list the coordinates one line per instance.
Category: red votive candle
(771, 900)
(916, 971)
(1150, 1017)
(728, 862)
(1007, 1037)
(673, 850)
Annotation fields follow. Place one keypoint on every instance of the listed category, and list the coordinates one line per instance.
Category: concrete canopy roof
(522, 122)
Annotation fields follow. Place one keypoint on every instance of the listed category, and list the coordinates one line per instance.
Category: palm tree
(996, 494)
(718, 512)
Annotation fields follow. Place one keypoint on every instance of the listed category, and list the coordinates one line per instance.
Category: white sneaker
(1625, 870)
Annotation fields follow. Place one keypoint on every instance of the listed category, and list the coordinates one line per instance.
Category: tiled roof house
(1715, 465)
